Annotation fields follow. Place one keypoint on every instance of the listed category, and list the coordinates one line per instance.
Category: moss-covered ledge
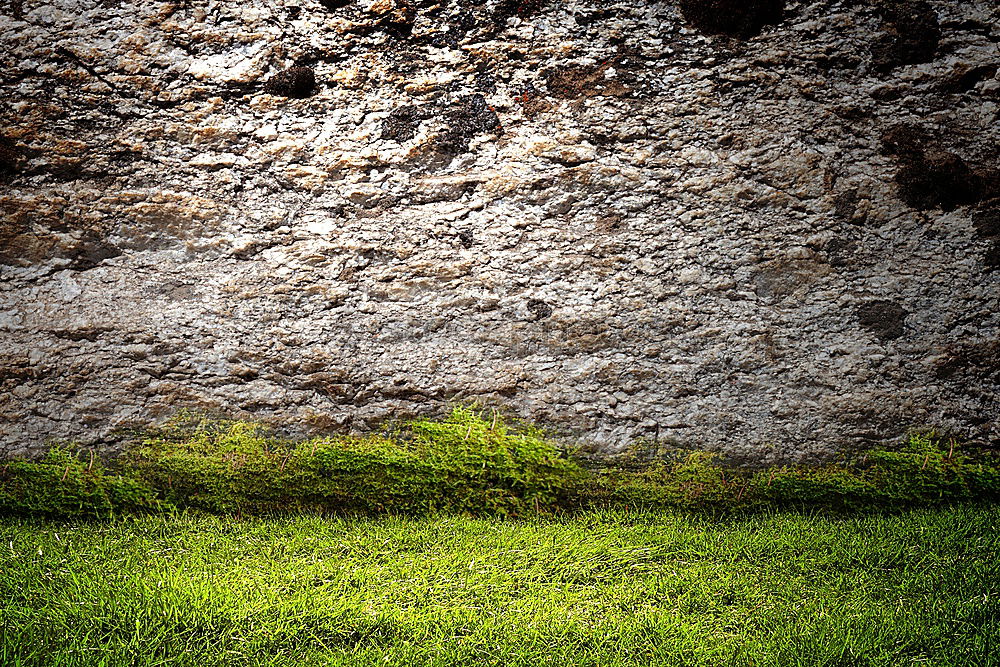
(469, 462)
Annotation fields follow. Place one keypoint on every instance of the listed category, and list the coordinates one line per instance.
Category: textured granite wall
(777, 240)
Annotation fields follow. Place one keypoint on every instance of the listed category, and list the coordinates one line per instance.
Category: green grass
(605, 588)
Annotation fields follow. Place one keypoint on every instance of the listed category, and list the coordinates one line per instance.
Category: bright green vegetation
(467, 463)
(600, 588)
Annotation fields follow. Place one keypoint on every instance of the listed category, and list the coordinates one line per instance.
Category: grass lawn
(611, 588)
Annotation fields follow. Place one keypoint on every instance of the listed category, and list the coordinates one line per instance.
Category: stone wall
(778, 240)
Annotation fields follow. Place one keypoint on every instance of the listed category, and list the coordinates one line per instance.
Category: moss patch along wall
(771, 229)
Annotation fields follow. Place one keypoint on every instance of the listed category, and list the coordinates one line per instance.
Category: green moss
(463, 463)
(926, 470)
(64, 485)
(467, 463)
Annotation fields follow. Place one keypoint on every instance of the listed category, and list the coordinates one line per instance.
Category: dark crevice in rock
(80, 62)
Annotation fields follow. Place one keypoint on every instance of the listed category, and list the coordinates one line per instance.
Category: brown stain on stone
(789, 277)
(579, 81)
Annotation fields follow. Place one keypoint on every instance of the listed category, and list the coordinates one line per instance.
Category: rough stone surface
(588, 212)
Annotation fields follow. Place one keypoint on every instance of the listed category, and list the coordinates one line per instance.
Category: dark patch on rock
(394, 17)
(91, 252)
(466, 238)
(845, 204)
(987, 221)
(16, 8)
(989, 179)
(10, 156)
(296, 82)
(468, 118)
(124, 158)
(402, 123)
(15, 247)
(735, 18)
(77, 334)
(905, 139)
(887, 93)
(15, 371)
(883, 318)
(987, 224)
(471, 15)
(852, 112)
(829, 62)
(929, 175)
(979, 360)
(539, 309)
(937, 178)
(335, 4)
(784, 278)
(506, 9)
(966, 77)
(992, 256)
(590, 15)
(458, 26)
(400, 29)
(840, 251)
(485, 82)
(911, 34)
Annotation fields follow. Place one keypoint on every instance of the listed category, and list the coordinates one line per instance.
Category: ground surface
(590, 211)
(598, 589)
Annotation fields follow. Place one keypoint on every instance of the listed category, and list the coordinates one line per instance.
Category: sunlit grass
(602, 588)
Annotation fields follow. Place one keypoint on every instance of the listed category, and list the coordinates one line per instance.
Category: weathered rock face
(329, 214)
